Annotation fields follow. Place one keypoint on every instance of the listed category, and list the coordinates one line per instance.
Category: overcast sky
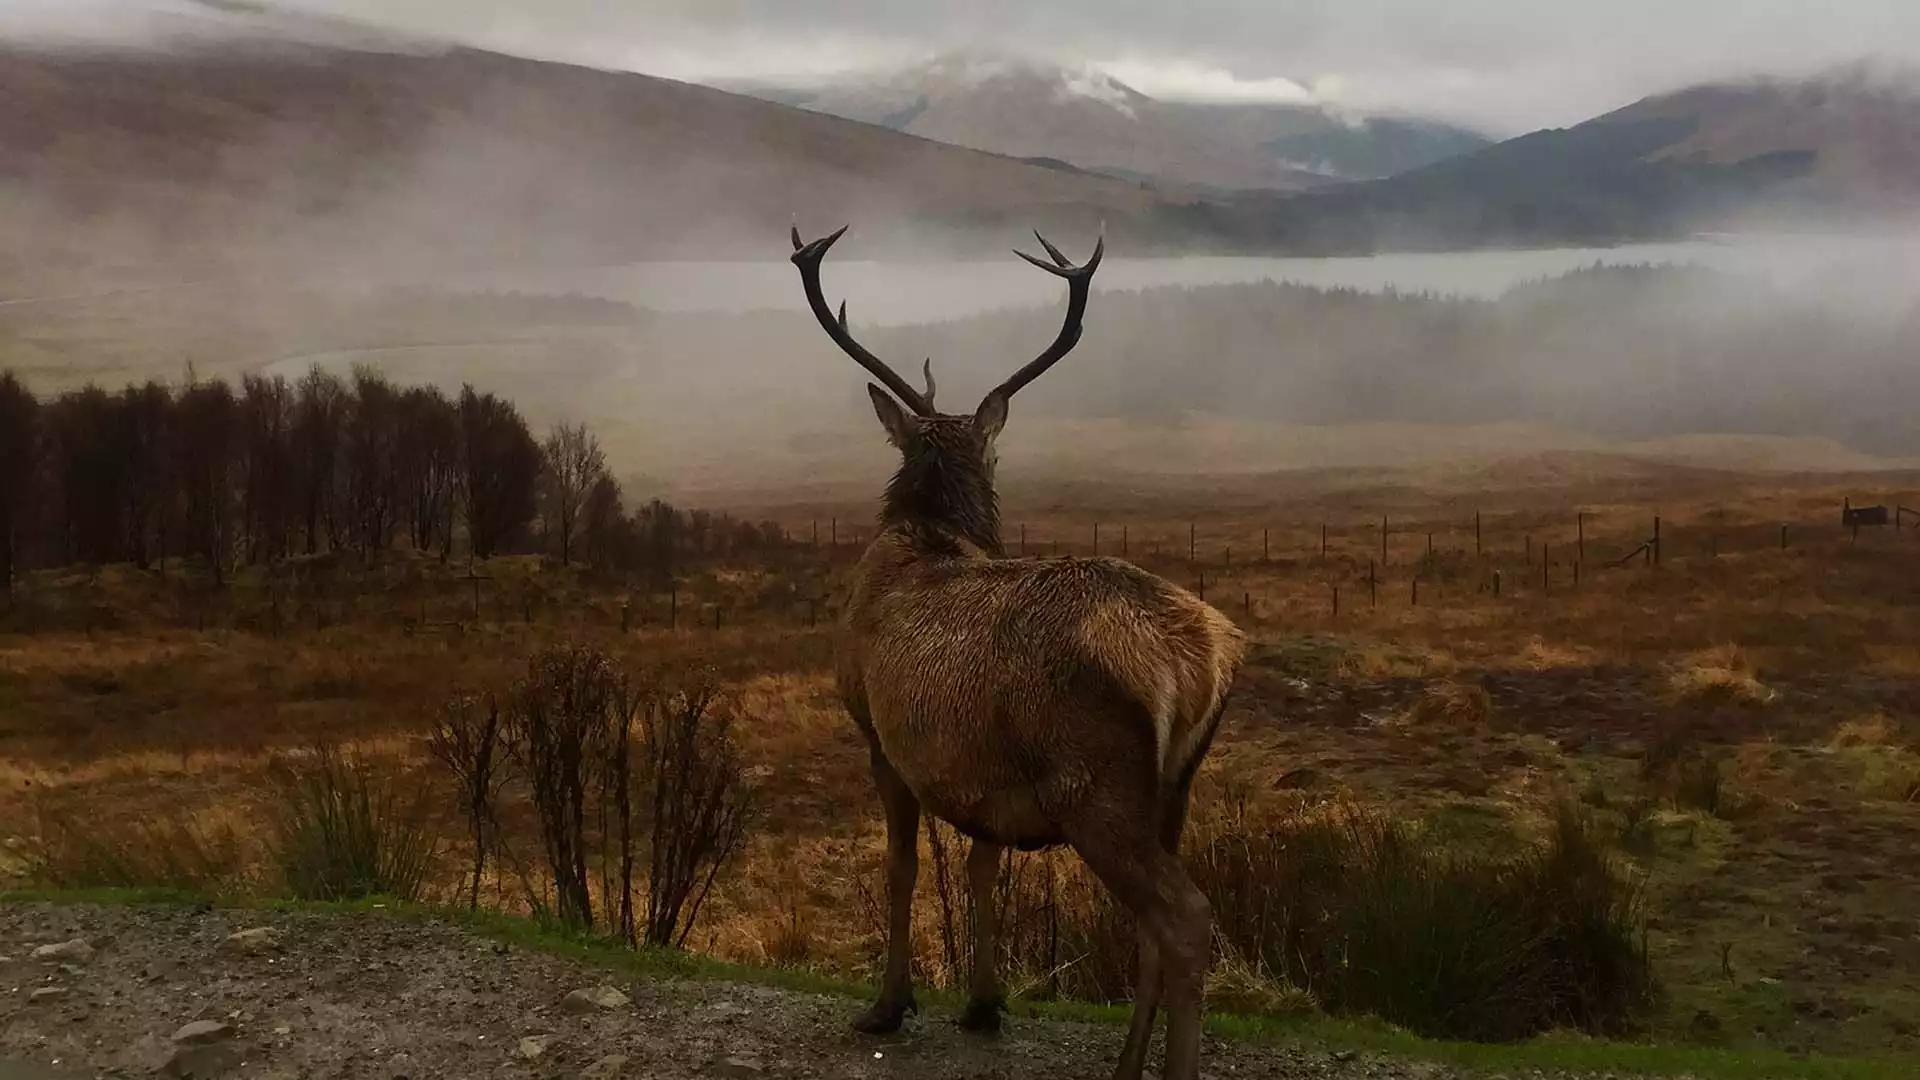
(1508, 65)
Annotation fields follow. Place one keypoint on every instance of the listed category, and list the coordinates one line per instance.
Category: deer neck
(943, 509)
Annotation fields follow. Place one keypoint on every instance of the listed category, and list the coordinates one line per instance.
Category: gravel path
(165, 991)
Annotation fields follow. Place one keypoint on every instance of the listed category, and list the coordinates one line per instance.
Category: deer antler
(808, 256)
(1079, 281)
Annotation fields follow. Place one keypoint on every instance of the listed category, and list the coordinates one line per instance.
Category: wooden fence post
(1096, 538)
(1123, 541)
(1546, 568)
(1323, 540)
(1580, 550)
(1266, 552)
(1190, 542)
(1477, 549)
(1373, 584)
(1383, 539)
(1336, 601)
(1656, 540)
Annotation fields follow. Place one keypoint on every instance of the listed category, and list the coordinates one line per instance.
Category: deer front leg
(903, 867)
(986, 1000)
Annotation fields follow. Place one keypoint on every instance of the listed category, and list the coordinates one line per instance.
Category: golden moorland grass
(1743, 717)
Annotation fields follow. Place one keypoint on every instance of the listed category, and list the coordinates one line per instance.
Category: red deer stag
(1027, 703)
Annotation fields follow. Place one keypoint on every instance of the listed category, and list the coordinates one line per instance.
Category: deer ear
(991, 416)
(900, 426)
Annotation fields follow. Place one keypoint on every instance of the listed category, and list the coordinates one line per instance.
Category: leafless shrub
(701, 802)
(468, 741)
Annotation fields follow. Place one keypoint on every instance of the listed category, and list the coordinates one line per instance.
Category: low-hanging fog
(479, 220)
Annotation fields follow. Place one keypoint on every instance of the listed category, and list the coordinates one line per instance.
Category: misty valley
(1404, 574)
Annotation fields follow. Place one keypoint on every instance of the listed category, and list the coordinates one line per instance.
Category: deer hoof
(885, 1017)
(983, 1016)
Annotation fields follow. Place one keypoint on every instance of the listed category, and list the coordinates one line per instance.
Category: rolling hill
(1840, 148)
(283, 157)
(1028, 107)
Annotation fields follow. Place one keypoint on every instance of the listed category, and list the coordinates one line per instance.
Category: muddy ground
(160, 990)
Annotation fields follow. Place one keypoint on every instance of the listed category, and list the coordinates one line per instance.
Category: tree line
(273, 469)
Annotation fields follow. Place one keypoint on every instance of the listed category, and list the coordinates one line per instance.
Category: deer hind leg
(985, 1000)
(903, 867)
(1148, 982)
(1127, 854)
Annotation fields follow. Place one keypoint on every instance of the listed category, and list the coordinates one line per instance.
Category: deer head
(960, 441)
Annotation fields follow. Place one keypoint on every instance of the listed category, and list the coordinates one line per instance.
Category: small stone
(595, 999)
(283, 1029)
(532, 1047)
(202, 1032)
(260, 939)
(744, 1065)
(76, 950)
(47, 993)
(1343, 1056)
(607, 1068)
(201, 1062)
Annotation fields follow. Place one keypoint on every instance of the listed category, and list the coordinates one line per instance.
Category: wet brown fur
(1066, 701)
(1015, 698)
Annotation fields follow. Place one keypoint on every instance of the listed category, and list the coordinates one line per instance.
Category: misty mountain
(1039, 109)
(1842, 146)
(263, 155)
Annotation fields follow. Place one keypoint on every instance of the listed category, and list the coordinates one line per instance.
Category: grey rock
(532, 1047)
(47, 993)
(260, 939)
(607, 1068)
(202, 1062)
(204, 1032)
(595, 999)
(76, 950)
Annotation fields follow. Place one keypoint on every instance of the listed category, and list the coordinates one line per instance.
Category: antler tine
(1079, 284)
(928, 370)
(808, 258)
(1058, 259)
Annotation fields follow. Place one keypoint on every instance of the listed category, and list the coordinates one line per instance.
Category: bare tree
(152, 491)
(266, 445)
(428, 464)
(371, 437)
(502, 465)
(604, 528)
(19, 439)
(206, 451)
(574, 463)
(319, 415)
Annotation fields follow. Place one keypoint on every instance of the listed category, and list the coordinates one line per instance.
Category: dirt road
(163, 990)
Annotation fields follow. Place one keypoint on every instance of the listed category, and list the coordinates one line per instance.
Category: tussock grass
(1723, 674)
(1453, 703)
(344, 830)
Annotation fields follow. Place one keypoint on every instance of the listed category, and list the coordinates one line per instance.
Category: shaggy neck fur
(942, 491)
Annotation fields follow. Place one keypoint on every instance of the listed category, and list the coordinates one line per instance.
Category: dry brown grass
(150, 718)
(1723, 673)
